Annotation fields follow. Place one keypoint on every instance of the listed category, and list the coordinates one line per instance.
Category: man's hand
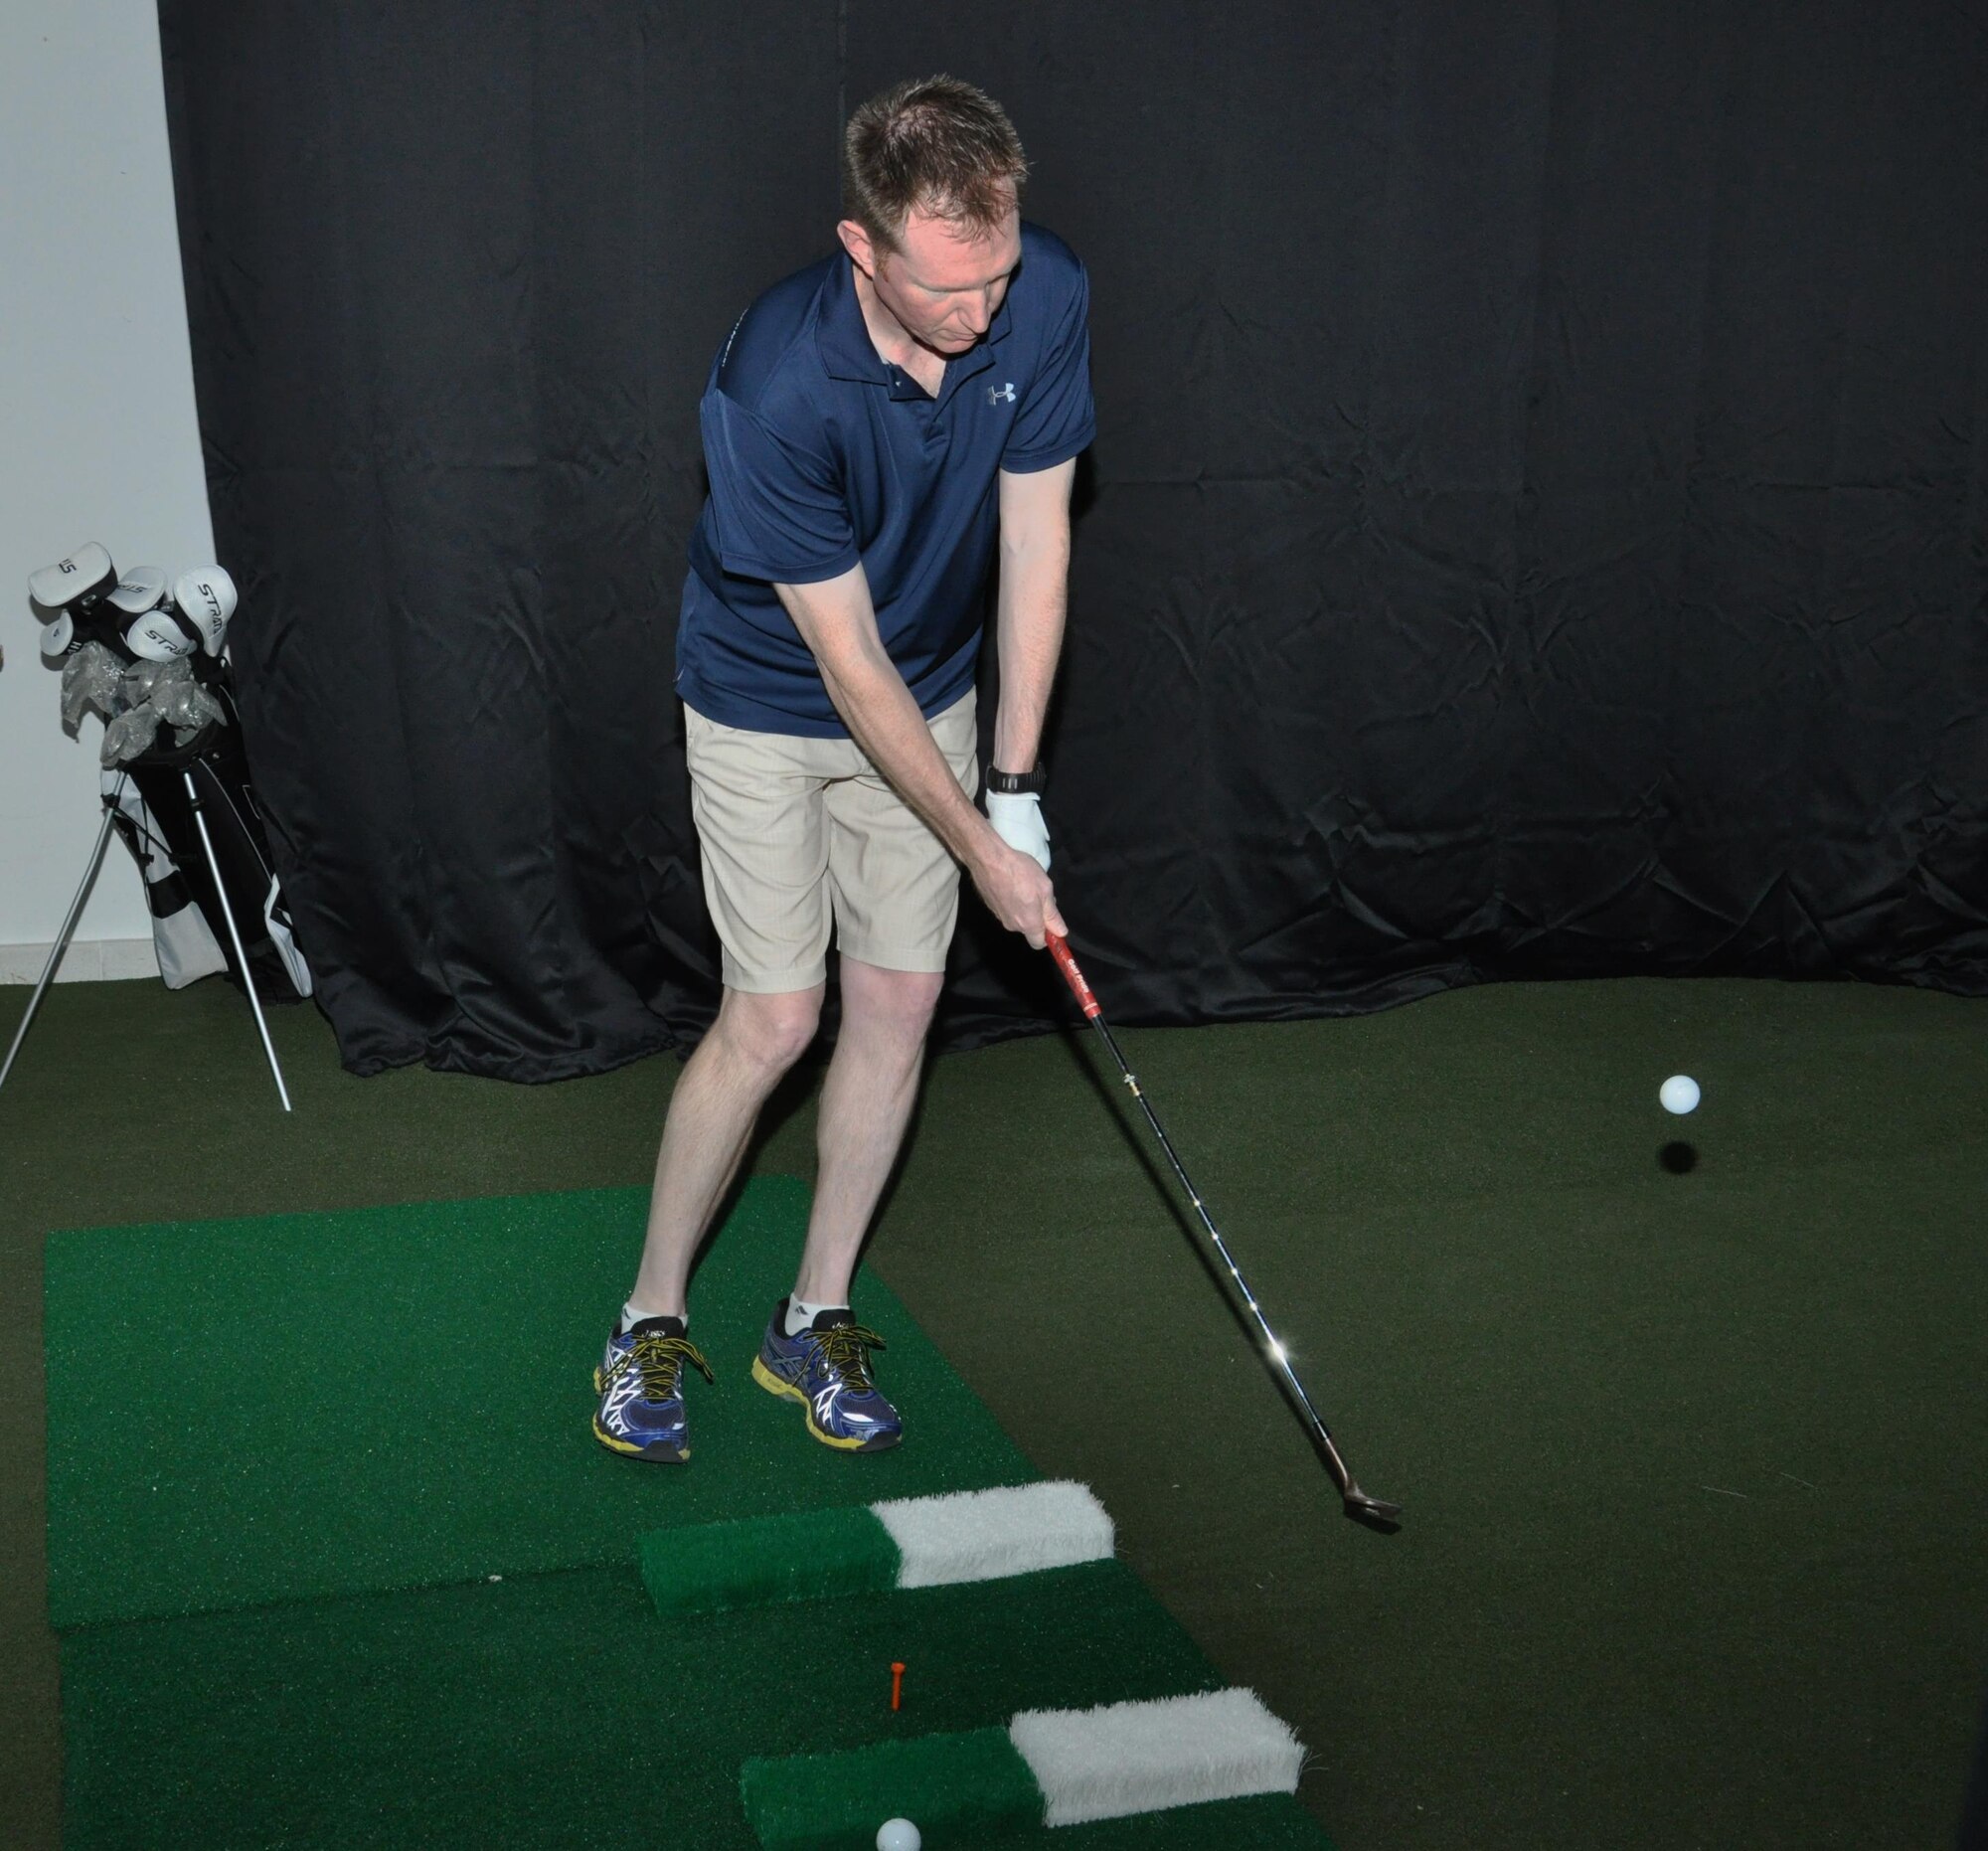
(1016, 816)
(839, 625)
(1017, 892)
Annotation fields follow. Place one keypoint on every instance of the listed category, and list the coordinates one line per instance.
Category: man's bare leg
(866, 1103)
(712, 1111)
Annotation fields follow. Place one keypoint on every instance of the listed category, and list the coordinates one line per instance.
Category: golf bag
(153, 814)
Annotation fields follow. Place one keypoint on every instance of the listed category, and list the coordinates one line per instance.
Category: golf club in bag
(164, 838)
(147, 656)
(181, 939)
(1357, 1504)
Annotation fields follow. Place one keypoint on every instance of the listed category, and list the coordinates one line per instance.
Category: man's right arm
(838, 622)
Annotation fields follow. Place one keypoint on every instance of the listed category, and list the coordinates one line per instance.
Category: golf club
(1357, 1504)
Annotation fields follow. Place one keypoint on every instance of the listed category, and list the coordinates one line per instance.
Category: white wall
(97, 412)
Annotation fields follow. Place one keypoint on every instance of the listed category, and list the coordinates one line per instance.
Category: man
(869, 427)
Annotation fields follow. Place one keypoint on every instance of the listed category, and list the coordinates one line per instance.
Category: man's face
(944, 283)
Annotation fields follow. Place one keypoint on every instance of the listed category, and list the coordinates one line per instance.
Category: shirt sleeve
(1058, 418)
(777, 508)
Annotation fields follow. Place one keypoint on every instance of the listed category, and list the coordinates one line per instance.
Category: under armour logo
(1004, 394)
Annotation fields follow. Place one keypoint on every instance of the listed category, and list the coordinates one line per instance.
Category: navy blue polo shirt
(822, 454)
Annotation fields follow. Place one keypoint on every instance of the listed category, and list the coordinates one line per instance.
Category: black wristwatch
(1018, 783)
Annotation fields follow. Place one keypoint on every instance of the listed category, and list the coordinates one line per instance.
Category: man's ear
(856, 240)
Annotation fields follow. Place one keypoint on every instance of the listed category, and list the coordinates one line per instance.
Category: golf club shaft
(1088, 1002)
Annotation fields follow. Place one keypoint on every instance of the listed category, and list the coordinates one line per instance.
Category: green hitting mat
(561, 1711)
(339, 1564)
(298, 1404)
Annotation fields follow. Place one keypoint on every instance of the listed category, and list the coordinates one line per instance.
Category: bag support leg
(234, 936)
(61, 944)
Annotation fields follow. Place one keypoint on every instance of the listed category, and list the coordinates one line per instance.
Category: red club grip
(1059, 951)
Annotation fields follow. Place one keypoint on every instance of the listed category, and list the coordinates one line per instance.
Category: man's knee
(899, 1003)
(770, 1032)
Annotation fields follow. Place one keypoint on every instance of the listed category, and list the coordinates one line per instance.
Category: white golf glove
(1018, 820)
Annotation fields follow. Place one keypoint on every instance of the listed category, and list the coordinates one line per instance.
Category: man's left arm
(1029, 614)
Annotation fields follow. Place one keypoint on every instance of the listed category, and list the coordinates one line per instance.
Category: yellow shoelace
(846, 1348)
(661, 1360)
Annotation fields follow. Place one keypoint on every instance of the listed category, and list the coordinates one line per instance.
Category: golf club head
(80, 578)
(1374, 1511)
(140, 589)
(206, 596)
(162, 634)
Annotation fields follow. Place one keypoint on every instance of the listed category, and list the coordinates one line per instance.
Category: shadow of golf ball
(1678, 1157)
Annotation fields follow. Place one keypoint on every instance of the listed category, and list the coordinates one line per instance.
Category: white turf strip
(1126, 1758)
(984, 1535)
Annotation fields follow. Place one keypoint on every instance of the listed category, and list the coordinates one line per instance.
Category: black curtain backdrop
(1536, 527)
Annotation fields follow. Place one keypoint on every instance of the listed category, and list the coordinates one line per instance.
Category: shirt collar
(977, 358)
(847, 351)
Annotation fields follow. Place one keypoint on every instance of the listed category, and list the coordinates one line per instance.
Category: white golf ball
(897, 1835)
(1678, 1094)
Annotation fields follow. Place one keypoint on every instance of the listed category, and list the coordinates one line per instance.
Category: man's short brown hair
(935, 143)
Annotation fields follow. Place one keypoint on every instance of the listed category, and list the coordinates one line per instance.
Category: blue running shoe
(640, 1385)
(827, 1370)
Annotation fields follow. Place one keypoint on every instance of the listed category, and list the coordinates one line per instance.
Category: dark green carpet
(301, 1405)
(1564, 1360)
(1544, 1344)
(561, 1711)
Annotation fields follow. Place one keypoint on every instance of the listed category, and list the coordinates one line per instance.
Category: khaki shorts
(799, 834)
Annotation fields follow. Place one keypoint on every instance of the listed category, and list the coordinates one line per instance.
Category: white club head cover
(1016, 816)
(140, 589)
(58, 637)
(162, 635)
(206, 596)
(85, 573)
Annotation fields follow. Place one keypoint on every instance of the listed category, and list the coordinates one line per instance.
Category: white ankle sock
(631, 1315)
(801, 1314)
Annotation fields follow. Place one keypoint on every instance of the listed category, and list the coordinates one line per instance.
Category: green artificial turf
(801, 1555)
(959, 1790)
(558, 1711)
(520, 1707)
(1695, 1465)
(300, 1405)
